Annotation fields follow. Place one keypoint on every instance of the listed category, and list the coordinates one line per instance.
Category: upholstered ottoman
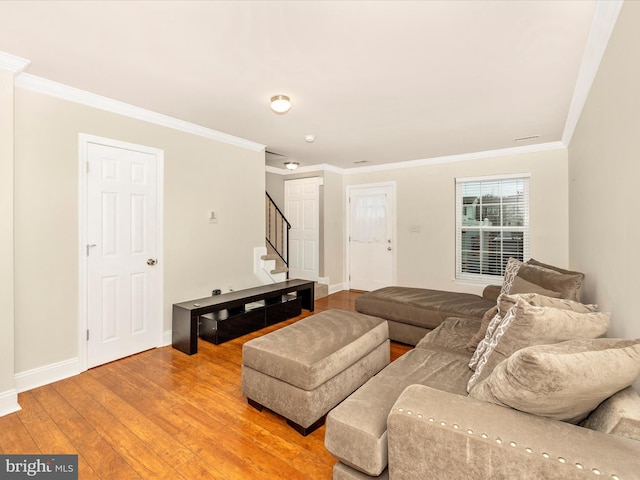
(305, 369)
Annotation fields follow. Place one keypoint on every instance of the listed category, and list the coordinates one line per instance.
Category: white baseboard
(166, 338)
(47, 374)
(337, 287)
(9, 402)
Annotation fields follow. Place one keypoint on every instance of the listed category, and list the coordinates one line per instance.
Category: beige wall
(426, 197)
(6, 233)
(604, 179)
(334, 229)
(199, 175)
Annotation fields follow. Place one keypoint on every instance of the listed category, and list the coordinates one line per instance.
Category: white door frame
(394, 255)
(83, 141)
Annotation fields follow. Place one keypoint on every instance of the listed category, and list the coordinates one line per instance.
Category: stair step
(280, 270)
(270, 256)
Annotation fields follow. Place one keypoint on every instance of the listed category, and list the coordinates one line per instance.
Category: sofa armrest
(491, 292)
(435, 434)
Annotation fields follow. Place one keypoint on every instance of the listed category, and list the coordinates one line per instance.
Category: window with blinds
(492, 224)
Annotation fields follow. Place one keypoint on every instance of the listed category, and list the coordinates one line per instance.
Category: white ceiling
(374, 81)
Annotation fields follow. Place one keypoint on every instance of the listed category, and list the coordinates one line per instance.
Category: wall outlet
(217, 291)
(415, 228)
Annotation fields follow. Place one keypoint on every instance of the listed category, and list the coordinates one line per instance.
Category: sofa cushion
(356, 430)
(617, 415)
(566, 284)
(564, 381)
(420, 306)
(525, 325)
(451, 336)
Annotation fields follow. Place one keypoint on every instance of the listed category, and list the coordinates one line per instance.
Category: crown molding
(604, 20)
(13, 63)
(503, 152)
(71, 94)
(321, 167)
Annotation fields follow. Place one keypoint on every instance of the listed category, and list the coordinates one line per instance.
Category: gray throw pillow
(564, 381)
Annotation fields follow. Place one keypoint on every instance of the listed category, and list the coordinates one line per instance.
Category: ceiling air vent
(524, 139)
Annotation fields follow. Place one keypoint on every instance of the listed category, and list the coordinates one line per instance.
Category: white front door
(123, 279)
(302, 209)
(371, 227)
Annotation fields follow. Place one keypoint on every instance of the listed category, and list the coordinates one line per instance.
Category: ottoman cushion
(315, 349)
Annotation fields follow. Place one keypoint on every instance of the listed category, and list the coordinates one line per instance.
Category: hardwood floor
(163, 414)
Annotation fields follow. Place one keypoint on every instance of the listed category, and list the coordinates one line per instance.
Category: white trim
(322, 167)
(463, 157)
(604, 20)
(487, 178)
(83, 141)
(47, 374)
(65, 92)
(9, 402)
(337, 287)
(167, 338)
(13, 63)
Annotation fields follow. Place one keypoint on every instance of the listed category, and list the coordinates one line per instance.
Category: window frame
(485, 278)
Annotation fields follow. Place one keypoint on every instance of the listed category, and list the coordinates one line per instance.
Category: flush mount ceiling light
(280, 104)
(291, 165)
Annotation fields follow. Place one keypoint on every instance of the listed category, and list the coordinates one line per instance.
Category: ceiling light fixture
(291, 165)
(310, 138)
(280, 104)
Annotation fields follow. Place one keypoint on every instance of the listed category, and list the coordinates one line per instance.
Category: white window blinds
(492, 224)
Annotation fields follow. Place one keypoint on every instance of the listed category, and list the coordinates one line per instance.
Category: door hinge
(87, 335)
(88, 168)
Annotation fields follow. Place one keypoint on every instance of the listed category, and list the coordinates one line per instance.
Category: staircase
(271, 262)
(274, 259)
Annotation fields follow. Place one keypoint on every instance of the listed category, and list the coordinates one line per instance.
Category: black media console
(220, 318)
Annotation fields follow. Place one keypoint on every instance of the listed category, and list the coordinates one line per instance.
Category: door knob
(152, 261)
(389, 248)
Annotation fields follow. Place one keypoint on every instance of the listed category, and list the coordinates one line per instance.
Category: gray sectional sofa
(414, 312)
(550, 397)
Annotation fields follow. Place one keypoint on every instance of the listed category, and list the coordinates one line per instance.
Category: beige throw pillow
(510, 272)
(525, 325)
(472, 344)
(566, 284)
(505, 302)
(495, 322)
(564, 381)
(520, 285)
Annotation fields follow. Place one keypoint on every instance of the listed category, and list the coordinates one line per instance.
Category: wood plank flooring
(162, 414)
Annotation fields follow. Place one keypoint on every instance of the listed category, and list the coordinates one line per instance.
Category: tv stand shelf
(223, 317)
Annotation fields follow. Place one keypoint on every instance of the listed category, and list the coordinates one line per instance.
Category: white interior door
(124, 293)
(302, 209)
(371, 227)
